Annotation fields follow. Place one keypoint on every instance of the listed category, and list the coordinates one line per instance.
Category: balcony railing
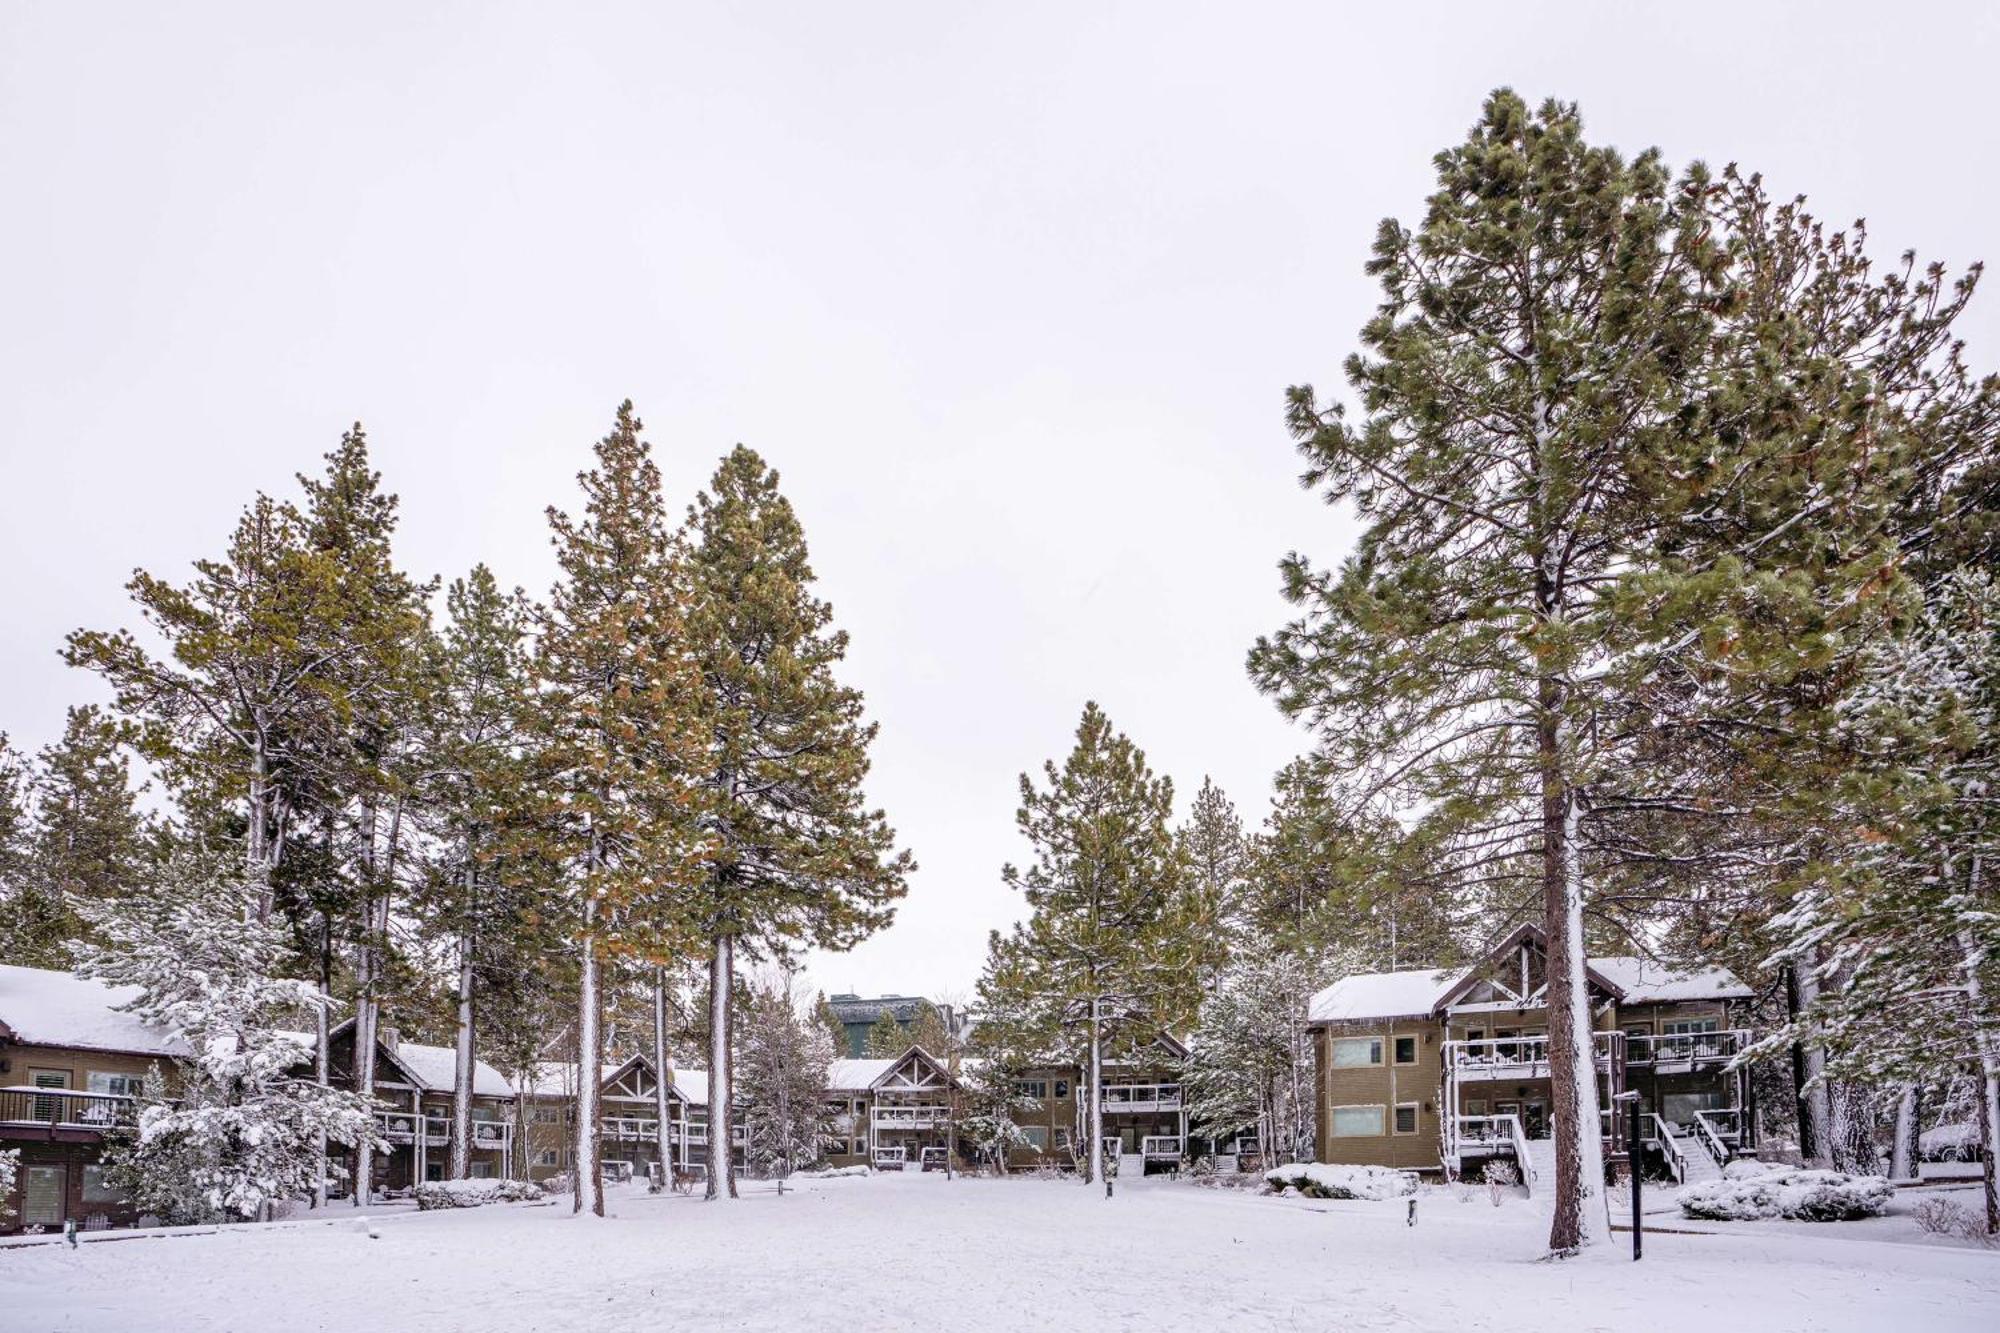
(910, 1117)
(1686, 1048)
(425, 1127)
(1161, 1147)
(1516, 1057)
(1142, 1097)
(62, 1108)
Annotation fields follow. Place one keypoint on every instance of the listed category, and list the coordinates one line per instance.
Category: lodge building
(1448, 1070)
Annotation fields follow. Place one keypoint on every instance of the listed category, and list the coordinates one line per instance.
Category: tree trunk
(1580, 1217)
(1808, 1131)
(464, 1067)
(721, 1115)
(1973, 960)
(1816, 1102)
(663, 1077)
(587, 1180)
(1097, 1171)
(1903, 1152)
(257, 850)
(322, 1049)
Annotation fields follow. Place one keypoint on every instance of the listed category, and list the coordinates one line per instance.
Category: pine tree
(824, 1015)
(1100, 954)
(1217, 852)
(241, 1131)
(1251, 1067)
(1532, 338)
(886, 1037)
(928, 1030)
(615, 742)
(783, 1056)
(87, 840)
(798, 857)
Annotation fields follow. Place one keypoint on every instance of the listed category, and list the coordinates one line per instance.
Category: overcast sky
(1010, 300)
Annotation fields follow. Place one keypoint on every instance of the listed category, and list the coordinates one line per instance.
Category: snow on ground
(919, 1252)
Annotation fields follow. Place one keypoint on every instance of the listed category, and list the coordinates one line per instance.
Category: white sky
(1011, 302)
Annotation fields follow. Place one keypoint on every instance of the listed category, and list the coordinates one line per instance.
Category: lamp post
(1633, 1147)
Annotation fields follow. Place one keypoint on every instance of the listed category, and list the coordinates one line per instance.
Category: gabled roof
(430, 1068)
(557, 1078)
(1422, 992)
(43, 1007)
(869, 1075)
(1645, 981)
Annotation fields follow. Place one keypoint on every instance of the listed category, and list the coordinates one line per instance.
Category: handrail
(1716, 1146)
(1160, 1145)
(1516, 1052)
(66, 1107)
(1671, 1146)
(1722, 1044)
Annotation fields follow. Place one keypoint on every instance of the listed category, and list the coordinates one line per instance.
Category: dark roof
(854, 1009)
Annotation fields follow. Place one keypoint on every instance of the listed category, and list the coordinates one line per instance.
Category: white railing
(1142, 1097)
(1713, 1139)
(23, 1105)
(1670, 1145)
(1686, 1048)
(896, 1157)
(1161, 1147)
(1515, 1057)
(911, 1117)
(630, 1127)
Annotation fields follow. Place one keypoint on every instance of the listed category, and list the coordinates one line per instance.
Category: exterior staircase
(1701, 1164)
(1538, 1173)
(1131, 1166)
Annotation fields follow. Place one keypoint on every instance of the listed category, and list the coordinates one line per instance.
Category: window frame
(1379, 1052)
(1333, 1120)
(1416, 1049)
(1416, 1110)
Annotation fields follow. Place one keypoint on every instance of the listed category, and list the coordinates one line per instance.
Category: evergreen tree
(1100, 954)
(928, 1030)
(886, 1037)
(87, 841)
(784, 1056)
(1217, 852)
(615, 742)
(1470, 656)
(835, 1029)
(1252, 1066)
(797, 857)
(241, 1131)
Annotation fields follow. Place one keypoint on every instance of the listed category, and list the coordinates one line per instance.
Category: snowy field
(918, 1252)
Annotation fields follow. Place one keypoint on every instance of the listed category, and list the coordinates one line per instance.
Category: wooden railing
(1688, 1048)
(910, 1117)
(1671, 1147)
(1516, 1057)
(65, 1108)
(1714, 1138)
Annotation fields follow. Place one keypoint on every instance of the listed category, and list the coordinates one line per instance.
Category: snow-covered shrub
(834, 1172)
(473, 1193)
(1501, 1177)
(558, 1184)
(10, 1162)
(1322, 1180)
(1803, 1196)
(1747, 1168)
(1939, 1216)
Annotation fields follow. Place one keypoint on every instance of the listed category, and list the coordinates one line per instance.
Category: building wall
(72, 1150)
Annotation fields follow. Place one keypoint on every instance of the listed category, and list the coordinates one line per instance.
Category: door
(49, 1109)
(1535, 1119)
(44, 1195)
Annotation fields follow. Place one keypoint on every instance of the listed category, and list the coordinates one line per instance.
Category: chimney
(392, 1038)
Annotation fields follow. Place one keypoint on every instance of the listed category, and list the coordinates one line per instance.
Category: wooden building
(1445, 1070)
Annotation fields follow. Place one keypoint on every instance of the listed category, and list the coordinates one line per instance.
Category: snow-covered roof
(47, 1008)
(1644, 981)
(436, 1067)
(856, 1075)
(557, 1078)
(1366, 995)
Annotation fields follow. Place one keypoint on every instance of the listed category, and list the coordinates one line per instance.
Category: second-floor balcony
(1136, 1097)
(910, 1117)
(1515, 1057)
(31, 1109)
(427, 1128)
(1686, 1050)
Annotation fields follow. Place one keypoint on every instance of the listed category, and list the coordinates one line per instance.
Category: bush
(1320, 1180)
(1940, 1216)
(1747, 1168)
(473, 1193)
(1799, 1195)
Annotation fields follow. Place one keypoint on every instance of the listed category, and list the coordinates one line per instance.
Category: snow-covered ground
(918, 1252)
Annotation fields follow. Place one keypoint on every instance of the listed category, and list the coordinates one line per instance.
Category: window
(1356, 1052)
(1062, 1087)
(482, 1170)
(96, 1189)
(1032, 1087)
(1406, 1118)
(116, 1085)
(1684, 1026)
(548, 1115)
(1475, 1106)
(547, 1157)
(1406, 1050)
(1357, 1122)
(1038, 1137)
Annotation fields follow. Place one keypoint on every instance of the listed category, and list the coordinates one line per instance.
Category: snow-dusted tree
(615, 739)
(10, 1165)
(1251, 1061)
(797, 856)
(1103, 958)
(242, 1129)
(990, 1101)
(782, 1061)
(886, 1037)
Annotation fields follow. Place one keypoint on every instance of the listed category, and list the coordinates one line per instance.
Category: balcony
(1510, 1058)
(1137, 1097)
(910, 1117)
(1681, 1052)
(50, 1110)
(1161, 1147)
(427, 1129)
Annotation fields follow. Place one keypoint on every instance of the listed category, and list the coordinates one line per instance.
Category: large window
(96, 1189)
(547, 1115)
(1357, 1122)
(1356, 1053)
(117, 1085)
(1032, 1087)
(1038, 1137)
